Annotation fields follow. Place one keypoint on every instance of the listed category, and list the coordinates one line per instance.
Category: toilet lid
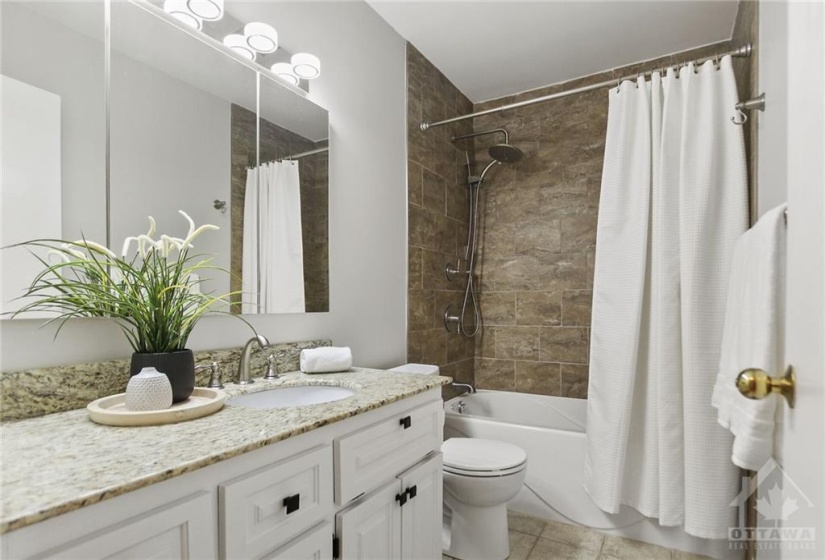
(481, 455)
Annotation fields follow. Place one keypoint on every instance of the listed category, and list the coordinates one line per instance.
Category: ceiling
(490, 49)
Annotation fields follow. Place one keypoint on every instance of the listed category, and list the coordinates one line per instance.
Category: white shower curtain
(273, 256)
(673, 203)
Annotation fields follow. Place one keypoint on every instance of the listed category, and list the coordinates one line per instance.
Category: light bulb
(238, 44)
(178, 10)
(261, 37)
(306, 65)
(284, 71)
(210, 10)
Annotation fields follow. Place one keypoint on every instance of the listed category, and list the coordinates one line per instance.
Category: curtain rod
(294, 156)
(307, 153)
(741, 52)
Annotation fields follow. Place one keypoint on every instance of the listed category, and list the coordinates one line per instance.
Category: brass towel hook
(757, 384)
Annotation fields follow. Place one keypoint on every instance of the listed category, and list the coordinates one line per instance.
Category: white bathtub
(552, 432)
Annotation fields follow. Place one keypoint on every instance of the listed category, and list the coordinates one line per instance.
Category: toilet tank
(420, 369)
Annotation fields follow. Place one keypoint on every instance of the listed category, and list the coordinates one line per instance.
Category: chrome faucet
(243, 364)
(470, 389)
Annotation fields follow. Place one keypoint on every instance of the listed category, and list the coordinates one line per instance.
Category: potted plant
(151, 291)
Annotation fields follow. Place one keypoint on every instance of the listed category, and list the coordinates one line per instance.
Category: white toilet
(480, 477)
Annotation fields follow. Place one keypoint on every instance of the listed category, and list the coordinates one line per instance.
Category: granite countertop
(61, 462)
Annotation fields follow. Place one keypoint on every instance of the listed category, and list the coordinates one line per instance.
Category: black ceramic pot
(179, 367)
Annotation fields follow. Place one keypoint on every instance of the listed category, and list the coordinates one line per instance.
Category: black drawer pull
(292, 503)
(412, 491)
(401, 498)
(406, 422)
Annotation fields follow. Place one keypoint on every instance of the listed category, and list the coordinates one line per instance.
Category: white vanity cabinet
(372, 482)
(171, 530)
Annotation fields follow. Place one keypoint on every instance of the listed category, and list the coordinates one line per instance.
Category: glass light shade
(306, 65)
(238, 44)
(210, 10)
(284, 71)
(178, 10)
(261, 37)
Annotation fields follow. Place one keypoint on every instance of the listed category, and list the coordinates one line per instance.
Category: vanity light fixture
(180, 11)
(238, 44)
(284, 71)
(209, 10)
(261, 37)
(306, 65)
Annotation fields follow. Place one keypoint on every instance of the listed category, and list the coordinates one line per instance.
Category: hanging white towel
(753, 337)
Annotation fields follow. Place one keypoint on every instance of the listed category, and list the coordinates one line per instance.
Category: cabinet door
(315, 544)
(182, 530)
(381, 451)
(371, 528)
(421, 515)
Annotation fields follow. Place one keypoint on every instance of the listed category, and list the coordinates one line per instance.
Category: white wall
(772, 124)
(363, 86)
(69, 65)
(159, 167)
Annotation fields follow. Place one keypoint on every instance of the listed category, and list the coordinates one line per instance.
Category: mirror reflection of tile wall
(278, 142)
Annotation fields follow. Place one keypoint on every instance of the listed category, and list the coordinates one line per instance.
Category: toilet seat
(482, 458)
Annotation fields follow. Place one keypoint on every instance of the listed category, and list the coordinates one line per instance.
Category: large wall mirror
(191, 127)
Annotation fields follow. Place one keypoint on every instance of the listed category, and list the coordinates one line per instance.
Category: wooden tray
(112, 410)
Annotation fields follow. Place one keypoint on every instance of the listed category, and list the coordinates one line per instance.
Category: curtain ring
(744, 118)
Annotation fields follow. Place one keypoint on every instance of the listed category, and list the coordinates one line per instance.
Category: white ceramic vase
(148, 390)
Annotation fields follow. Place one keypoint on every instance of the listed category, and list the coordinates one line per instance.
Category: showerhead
(505, 153)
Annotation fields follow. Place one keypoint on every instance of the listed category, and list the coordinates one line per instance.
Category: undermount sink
(283, 397)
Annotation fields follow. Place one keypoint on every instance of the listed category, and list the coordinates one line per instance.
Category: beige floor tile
(679, 555)
(552, 550)
(525, 523)
(625, 549)
(573, 535)
(520, 545)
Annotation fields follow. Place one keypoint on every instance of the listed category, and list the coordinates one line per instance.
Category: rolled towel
(327, 359)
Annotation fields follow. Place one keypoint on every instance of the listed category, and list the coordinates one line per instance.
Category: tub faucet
(243, 364)
(469, 388)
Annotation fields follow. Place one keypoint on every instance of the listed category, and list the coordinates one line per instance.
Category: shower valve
(455, 270)
(450, 321)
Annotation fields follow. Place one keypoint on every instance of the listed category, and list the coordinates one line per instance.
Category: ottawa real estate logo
(780, 507)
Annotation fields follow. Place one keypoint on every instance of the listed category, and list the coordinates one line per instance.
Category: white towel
(326, 360)
(753, 337)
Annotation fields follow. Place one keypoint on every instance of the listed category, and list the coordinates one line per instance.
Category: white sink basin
(302, 395)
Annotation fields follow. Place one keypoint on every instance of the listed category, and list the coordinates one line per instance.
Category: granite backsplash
(37, 392)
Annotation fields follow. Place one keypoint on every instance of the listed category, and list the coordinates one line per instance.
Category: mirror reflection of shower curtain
(273, 256)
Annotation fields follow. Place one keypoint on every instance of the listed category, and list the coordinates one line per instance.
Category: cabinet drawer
(316, 544)
(261, 511)
(378, 452)
(179, 530)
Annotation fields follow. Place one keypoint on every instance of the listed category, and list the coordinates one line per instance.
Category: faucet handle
(215, 378)
(271, 372)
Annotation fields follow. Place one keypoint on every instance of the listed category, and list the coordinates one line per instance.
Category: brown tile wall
(437, 209)
(539, 236)
(539, 216)
(277, 142)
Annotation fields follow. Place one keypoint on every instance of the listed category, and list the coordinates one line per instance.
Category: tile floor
(532, 538)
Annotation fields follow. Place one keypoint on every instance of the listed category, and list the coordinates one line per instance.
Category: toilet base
(478, 533)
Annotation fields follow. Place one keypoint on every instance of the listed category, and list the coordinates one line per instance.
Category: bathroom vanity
(355, 478)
